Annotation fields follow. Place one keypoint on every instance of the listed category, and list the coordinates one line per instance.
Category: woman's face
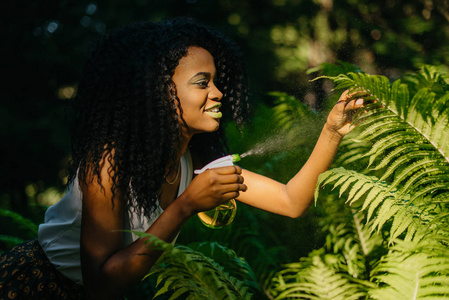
(199, 97)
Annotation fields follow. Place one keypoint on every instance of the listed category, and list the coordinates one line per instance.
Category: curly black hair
(125, 107)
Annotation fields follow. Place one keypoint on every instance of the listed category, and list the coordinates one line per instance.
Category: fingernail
(359, 102)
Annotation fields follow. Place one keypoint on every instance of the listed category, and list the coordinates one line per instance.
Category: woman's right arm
(109, 270)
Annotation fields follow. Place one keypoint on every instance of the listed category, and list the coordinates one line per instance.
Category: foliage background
(44, 45)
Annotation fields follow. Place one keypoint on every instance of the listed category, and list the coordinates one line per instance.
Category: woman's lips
(214, 111)
(215, 115)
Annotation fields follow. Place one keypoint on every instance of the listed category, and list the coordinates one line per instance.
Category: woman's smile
(214, 111)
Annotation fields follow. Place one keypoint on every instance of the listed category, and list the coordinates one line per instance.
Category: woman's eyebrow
(205, 74)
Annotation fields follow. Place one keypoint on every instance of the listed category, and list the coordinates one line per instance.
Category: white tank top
(60, 235)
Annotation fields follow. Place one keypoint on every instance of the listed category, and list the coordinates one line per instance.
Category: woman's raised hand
(213, 187)
(340, 117)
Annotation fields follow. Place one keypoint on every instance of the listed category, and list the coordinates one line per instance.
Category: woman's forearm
(300, 189)
(126, 268)
(292, 199)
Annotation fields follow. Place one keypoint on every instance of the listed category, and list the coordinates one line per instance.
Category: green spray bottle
(223, 214)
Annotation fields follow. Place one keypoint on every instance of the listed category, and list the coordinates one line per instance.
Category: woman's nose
(215, 94)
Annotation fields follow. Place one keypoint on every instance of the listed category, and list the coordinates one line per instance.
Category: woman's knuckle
(212, 180)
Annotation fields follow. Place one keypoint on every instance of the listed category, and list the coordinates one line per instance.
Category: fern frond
(409, 138)
(183, 271)
(434, 242)
(378, 87)
(245, 241)
(10, 241)
(367, 239)
(430, 184)
(19, 222)
(394, 140)
(353, 151)
(413, 182)
(197, 275)
(357, 191)
(381, 124)
(342, 240)
(412, 168)
(313, 278)
(288, 110)
(431, 132)
(430, 78)
(354, 243)
(400, 161)
(377, 189)
(386, 211)
(382, 202)
(405, 142)
(411, 276)
(397, 152)
(351, 244)
(334, 69)
(404, 220)
(236, 266)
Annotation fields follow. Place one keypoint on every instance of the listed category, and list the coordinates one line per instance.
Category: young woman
(147, 112)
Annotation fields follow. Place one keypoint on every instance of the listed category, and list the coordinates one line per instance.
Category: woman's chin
(212, 126)
(209, 129)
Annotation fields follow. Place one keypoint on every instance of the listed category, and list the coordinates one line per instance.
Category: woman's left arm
(293, 199)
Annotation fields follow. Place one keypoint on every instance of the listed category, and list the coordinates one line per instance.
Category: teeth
(215, 108)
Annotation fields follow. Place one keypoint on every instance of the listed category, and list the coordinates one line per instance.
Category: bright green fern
(397, 189)
(316, 277)
(189, 274)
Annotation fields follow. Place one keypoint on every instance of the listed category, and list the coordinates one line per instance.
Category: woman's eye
(203, 84)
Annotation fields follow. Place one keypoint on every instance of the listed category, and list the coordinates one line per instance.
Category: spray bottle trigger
(224, 161)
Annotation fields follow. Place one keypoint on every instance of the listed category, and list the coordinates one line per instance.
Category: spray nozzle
(224, 161)
(235, 157)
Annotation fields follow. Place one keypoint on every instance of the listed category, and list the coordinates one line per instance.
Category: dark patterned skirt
(26, 273)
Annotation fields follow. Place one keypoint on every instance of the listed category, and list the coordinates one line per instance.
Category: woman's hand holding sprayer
(213, 187)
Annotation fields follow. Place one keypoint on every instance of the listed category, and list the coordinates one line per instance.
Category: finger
(344, 96)
(243, 187)
(231, 178)
(354, 104)
(235, 193)
(230, 195)
(359, 103)
(236, 187)
(360, 94)
(351, 94)
(228, 170)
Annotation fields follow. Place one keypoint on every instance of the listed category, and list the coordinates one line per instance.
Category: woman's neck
(182, 146)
